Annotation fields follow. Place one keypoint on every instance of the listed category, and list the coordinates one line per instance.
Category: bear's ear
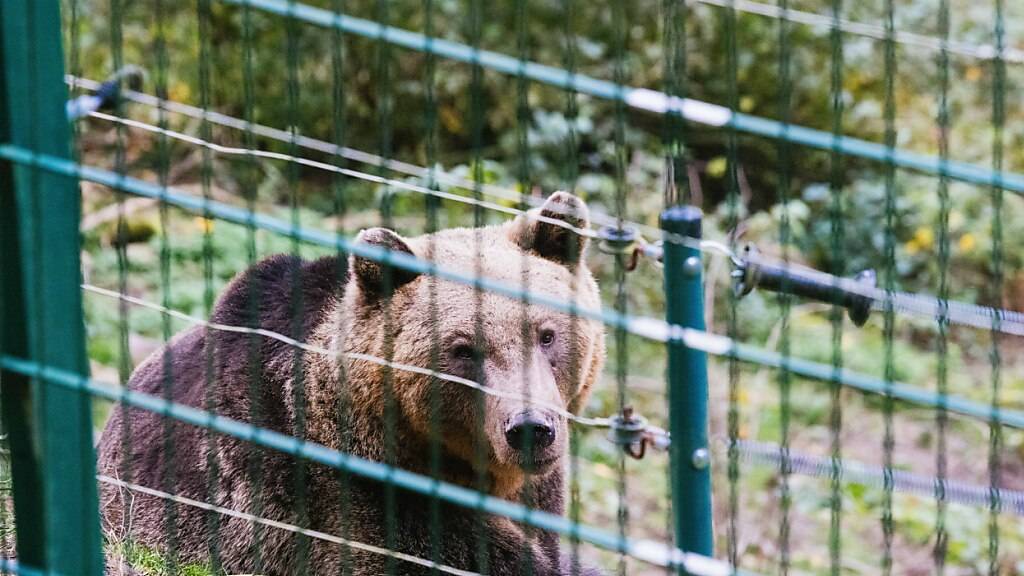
(377, 278)
(549, 230)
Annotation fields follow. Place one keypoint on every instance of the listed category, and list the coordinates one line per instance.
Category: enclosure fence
(47, 391)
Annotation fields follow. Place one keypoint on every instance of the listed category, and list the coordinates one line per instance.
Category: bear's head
(515, 370)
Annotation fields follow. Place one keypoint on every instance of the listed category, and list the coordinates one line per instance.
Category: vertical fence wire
(256, 458)
(476, 115)
(674, 135)
(385, 105)
(678, 191)
(942, 371)
(837, 256)
(619, 15)
(889, 280)
(206, 54)
(298, 311)
(124, 357)
(733, 225)
(73, 24)
(995, 356)
(430, 127)
(568, 178)
(525, 186)
(339, 125)
(169, 474)
(784, 299)
(569, 175)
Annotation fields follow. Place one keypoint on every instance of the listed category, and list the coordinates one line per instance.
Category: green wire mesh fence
(264, 435)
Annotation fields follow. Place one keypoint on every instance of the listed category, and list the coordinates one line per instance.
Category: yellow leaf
(180, 92)
(924, 237)
(967, 242)
(205, 225)
(716, 167)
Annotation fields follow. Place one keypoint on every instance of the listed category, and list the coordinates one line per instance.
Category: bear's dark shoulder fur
(242, 376)
(285, 295)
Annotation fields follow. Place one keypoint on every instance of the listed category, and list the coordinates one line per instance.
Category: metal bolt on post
(687, 386)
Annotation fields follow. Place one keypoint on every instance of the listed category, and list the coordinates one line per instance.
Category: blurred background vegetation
(353, 91)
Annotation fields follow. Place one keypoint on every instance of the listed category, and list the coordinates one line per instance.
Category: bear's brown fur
(509, 447)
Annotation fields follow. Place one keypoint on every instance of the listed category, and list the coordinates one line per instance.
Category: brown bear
(509, 440)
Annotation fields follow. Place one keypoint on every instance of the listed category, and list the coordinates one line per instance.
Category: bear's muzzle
(531, 436)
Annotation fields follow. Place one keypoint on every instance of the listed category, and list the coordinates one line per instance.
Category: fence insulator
(629, 430)
(751, 273)
(107, 95)
(620, 241)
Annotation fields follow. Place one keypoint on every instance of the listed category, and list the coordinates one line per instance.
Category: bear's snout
(530, 429)
(531, 436)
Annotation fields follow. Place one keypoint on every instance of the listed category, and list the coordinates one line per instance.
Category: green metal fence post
(50, 428)
(688, 386)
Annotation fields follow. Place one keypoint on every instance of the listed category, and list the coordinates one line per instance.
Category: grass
(148, 562)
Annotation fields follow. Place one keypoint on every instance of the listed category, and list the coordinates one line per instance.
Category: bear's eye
(463, 352)
(547, 338)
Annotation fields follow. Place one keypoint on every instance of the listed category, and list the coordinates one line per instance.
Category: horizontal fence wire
(642, 98)
(972, 315)
(649, 328)
(11, 566)
(776, 456)
(874, 31)
(652, 552)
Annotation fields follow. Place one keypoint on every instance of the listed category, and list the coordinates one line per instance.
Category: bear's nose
(530, 430)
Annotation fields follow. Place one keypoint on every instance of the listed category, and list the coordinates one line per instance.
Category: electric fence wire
(429, 174)
(966, 314)
(973, 315)
(646, 550)
(598, 422)
(255, 519)
(853, 472)
(850, 471)
(873, 31)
